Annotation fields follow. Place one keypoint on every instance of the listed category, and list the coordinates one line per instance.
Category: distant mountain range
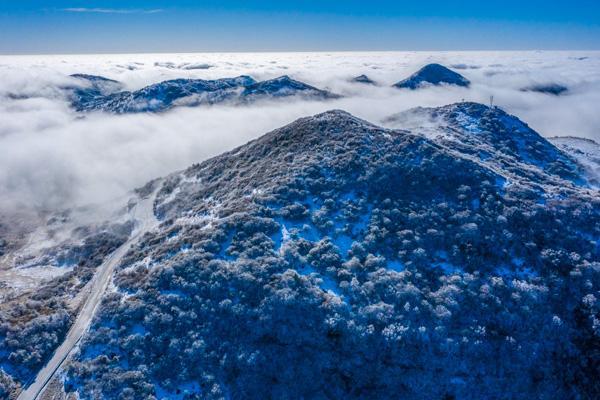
(97, 93)
(101, 94)
(187, 92)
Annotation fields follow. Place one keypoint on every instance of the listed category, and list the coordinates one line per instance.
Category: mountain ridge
(166, 95)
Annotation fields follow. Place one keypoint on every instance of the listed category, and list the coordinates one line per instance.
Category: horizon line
(301, 51)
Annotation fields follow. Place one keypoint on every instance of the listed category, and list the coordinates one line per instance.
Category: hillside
(333, 258)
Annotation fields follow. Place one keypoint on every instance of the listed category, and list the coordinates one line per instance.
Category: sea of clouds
(52, 157)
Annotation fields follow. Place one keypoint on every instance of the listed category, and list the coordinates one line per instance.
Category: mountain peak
(285, 86)
(363, 79)
(433, 74)
(331, 143)
(494, 135)
(282, 78)
(339, 115)
(93, 78)
(333, 124)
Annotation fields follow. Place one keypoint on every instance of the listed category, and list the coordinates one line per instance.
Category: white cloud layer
(52, 157)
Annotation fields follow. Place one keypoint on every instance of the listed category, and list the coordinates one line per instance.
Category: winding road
(143, 212)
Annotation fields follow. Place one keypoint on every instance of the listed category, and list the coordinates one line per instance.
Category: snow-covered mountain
(194, 92)
(433, 74)
(334, 258)
(284, 86)
(495, 139)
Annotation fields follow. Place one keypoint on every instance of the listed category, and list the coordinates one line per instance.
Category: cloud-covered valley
(52, 157)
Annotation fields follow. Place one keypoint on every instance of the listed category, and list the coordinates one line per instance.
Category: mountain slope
(333, 258)
(433, 74)
(45, 276)
(585, 151)
(94, 88)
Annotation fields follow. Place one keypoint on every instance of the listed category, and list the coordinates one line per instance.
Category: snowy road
(144, 214)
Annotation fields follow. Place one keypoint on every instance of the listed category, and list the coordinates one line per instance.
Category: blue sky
(75, 26)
